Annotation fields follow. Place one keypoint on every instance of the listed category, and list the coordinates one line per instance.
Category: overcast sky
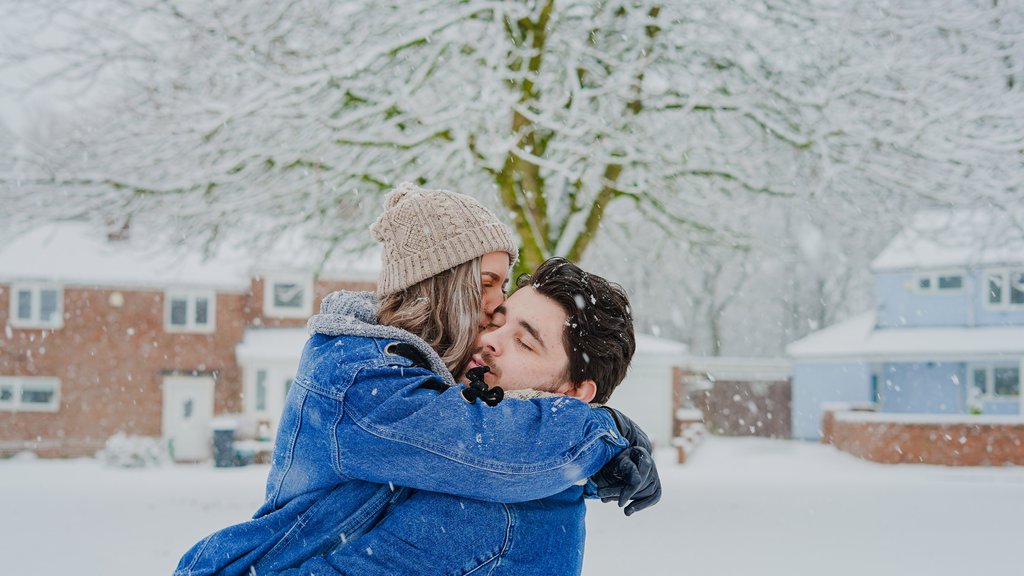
(16, 108)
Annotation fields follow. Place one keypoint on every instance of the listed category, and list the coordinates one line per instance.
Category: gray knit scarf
(346, 313)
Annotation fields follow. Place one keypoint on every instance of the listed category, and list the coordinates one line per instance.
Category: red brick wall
(321, 288)
(962, 443)
(324, 287)
(111, 362)
(735, 408)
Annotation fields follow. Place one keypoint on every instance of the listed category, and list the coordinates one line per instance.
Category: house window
(995, 382)
(1005, 289)
(266, 389)
(190, 311)
(288, 297)
(1006, 381)
(952, 282)
(261, 390)
(29, 394)
(939, 283)
(36, 306)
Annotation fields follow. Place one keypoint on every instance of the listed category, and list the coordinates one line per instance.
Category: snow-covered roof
(649, 345)
(79, 254)
(75, 253)
(297, 252)
(858, 339)
(954, 238)
(272, 344)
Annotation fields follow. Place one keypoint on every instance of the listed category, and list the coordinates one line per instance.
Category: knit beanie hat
(425, 232)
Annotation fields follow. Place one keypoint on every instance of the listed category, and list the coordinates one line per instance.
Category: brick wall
(951, 441)
(735, 408)
(111, 362)
(321, 288)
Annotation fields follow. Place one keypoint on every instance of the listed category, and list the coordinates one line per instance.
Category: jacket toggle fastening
(478, 389)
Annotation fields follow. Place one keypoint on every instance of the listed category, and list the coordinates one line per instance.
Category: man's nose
(489, 341)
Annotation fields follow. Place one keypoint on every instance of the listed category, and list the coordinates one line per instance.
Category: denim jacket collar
(347, 313)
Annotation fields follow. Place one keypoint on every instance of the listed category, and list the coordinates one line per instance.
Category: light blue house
(946, 335)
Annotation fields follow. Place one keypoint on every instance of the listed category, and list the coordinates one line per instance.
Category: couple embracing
(437, 428)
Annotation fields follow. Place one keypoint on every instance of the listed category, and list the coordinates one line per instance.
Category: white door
(266, 387)
(188, 410)
(1020, 388)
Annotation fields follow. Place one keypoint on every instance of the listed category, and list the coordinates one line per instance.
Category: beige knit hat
(425, 232)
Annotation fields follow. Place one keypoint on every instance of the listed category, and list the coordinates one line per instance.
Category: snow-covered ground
(739, 506)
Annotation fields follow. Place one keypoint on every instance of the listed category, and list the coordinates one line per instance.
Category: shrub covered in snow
(125, 451)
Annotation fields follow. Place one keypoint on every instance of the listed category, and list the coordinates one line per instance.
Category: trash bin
(224, 442)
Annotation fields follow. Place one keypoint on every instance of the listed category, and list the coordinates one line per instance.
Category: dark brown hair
(598, 335)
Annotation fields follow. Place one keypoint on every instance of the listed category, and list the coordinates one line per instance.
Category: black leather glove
(632, 474)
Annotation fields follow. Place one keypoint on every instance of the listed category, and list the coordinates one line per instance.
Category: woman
(374, 406)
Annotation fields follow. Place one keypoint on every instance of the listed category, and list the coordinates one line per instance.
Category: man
(570, 331)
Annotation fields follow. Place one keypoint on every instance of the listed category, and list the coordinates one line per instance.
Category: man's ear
(585, 390)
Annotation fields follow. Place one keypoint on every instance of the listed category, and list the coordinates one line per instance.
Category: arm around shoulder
(398, 428)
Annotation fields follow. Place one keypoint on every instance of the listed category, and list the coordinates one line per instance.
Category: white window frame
(190, 297)
(989, 395)
(1004, 275)
(35, 321)
(261, 391)
(934, 276)
(18, 383)
(271, 310)
(278, 377)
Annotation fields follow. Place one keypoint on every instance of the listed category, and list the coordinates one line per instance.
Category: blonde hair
(443, 310)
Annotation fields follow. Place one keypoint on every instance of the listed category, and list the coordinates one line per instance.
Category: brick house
(104, 335)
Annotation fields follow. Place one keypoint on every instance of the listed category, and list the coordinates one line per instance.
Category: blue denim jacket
(360, 422)
(441, 534)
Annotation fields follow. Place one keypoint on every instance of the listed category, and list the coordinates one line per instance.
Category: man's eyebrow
(533, 332)
(500, 310)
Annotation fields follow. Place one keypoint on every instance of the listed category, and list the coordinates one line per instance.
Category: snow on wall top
(916, 418)
(857, 339)
(741, 369)
(654, 346)
(945, 238)
(80, 254)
